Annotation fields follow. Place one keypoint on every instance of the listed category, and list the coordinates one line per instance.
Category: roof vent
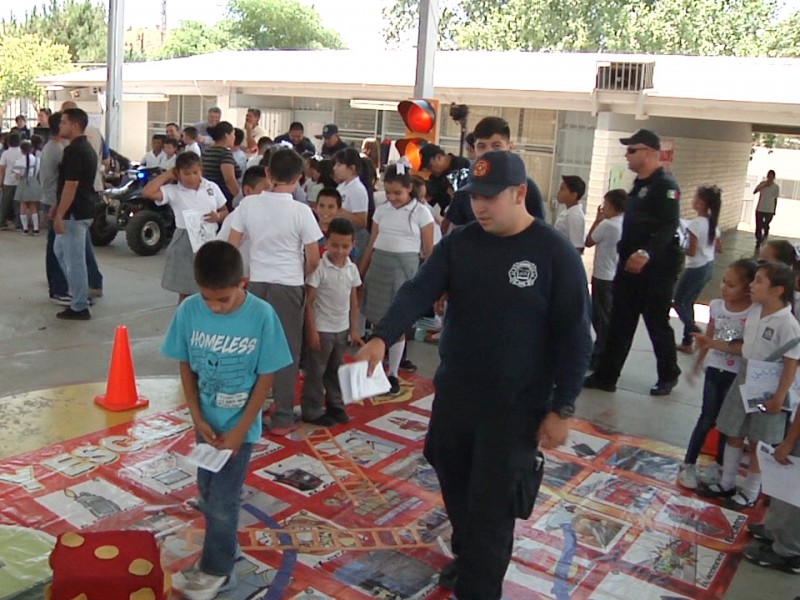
(624, 76)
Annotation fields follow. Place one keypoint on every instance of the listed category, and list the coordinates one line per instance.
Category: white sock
(362, 325)
(24, 218)
(752, 485)
(35, 220)
(730, 465)
(395, 356)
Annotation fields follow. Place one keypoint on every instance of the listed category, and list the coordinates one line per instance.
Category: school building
(566, 111)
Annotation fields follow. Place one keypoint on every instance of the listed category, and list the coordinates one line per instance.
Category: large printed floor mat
(354, 512)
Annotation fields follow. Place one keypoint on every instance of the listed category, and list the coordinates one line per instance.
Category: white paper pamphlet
(779, 481)
(200, 231)
(761, 382)
(357, 385)
(209, 458)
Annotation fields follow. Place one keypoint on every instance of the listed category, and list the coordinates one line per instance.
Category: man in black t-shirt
(76, 198)
(441, 165)
(296, 137)
(513, 349)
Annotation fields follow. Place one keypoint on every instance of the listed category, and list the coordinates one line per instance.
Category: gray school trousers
(287, 300)
(321, 384)
(782, 522)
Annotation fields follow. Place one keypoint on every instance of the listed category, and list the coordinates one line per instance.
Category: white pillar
(116, 27)
(426, 47)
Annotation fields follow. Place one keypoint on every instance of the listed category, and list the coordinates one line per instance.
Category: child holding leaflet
(192, 192)
(331, 313)
(225, 386)
(770, 327)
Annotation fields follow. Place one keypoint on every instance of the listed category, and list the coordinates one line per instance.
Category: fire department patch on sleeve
(673, 194)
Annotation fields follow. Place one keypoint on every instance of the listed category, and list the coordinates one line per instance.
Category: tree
(280, 24)
(81, 25)
(194, 37)
(784, 39)
(708, 27)
(23, 59)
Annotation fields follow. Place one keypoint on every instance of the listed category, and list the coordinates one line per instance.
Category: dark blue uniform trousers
(484, 450)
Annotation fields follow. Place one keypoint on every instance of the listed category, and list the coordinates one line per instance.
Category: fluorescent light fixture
(145, 98)
(374, 104)
(54, 88)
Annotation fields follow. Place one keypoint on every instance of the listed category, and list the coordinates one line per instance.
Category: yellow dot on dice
(72, 540)
(140, 567)
(143, 594)
(107, 552)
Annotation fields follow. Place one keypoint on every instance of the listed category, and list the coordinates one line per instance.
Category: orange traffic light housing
(421, 118)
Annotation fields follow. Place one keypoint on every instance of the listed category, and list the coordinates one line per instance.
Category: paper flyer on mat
(780, 481)
(762, 380)
(209, 458)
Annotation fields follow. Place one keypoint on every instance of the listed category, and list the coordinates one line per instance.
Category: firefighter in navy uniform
(514, 347)
(649, 260)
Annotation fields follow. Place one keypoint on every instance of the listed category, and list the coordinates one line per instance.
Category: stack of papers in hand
(209, 458)
(357, 385)
(780, 481)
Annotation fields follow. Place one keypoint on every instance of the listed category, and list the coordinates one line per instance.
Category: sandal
(715, 490)
(739, 502)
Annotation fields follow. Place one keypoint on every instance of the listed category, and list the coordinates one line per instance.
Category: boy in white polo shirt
(604, 233)
(284, 249)
(572, 221)
(331, 312)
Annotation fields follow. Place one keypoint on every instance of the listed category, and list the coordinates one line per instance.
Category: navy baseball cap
(329, 130)
(645, 137)
(494, 172)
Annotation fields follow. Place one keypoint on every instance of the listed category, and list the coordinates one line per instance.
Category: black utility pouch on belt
(528, 488)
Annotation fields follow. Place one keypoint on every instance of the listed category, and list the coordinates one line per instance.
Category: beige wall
(134, 140)
(705, 153)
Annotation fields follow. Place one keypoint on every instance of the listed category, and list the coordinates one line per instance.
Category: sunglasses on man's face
(633, 150)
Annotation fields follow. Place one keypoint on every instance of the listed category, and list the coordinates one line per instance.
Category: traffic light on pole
(421, 118)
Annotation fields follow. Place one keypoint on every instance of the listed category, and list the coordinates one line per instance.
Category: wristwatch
(566, 411)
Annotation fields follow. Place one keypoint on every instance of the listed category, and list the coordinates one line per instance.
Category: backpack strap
(783, 350)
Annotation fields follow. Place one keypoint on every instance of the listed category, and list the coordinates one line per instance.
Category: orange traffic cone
(121, 393)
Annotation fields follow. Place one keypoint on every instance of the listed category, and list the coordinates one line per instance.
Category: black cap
(575, 184)
(643, 136)
(327, 131)
(494, 172)
(427, 153)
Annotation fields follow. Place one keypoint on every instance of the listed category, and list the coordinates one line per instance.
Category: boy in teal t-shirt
(229, 344)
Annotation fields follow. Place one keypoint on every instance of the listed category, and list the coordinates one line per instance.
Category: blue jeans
(690, 285)
(715, 387)
(219, 500)
(56, 282)
(70, 250)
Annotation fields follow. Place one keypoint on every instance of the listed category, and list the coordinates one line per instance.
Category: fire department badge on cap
(481, 168)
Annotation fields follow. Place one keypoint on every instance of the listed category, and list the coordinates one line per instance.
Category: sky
(359, 22)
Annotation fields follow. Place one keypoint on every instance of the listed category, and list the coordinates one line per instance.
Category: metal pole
(116, 57)
(426, 47)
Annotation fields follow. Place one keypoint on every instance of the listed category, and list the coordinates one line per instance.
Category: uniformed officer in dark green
(649, 261)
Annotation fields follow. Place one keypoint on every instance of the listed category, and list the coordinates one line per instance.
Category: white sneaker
(711, 474)
(196, 585)
(688, 477)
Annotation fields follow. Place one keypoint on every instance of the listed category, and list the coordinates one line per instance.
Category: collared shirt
(400, 229)
(354, 196)
(279, 228)
(154, 160)
(605, 236)
(572, 223)
(79, 163)
(206, 198)
(334, 285)
(651, 223)
(304, 145)
(765, 335)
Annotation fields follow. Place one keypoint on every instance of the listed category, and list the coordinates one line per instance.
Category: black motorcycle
(148, 228)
